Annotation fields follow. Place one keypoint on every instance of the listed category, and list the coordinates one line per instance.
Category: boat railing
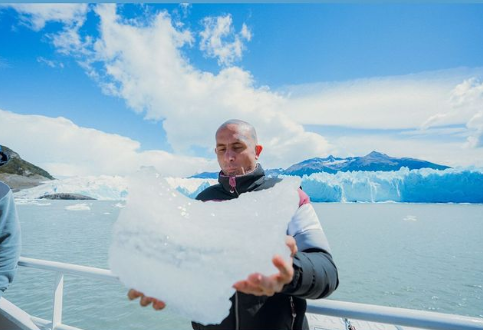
(346, 310)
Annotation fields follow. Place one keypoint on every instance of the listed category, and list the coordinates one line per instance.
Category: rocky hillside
(20, 174)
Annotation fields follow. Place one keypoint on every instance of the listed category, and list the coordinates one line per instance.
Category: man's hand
(145, 301)
(260, 285)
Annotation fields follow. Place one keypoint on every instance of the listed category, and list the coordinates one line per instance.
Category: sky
(104, 89)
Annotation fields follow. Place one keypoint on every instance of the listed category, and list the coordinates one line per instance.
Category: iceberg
(187, 253)
(78, 207)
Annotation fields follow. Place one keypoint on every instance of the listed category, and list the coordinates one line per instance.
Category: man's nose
(229, 155)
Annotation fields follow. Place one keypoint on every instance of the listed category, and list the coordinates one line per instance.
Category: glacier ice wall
(411, 186)
(106, 187)
(414, 186)
(102, 187)
(190, 187)
(188, 253)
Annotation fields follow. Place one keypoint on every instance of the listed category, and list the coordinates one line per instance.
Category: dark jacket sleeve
(9, 238)
(315, 275)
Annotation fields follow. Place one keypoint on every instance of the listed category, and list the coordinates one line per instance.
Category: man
(276, 301)
(9, 233)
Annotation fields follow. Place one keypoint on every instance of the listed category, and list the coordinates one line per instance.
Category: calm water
(421, 256)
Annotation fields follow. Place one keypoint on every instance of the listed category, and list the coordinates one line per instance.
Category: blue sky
(152, 82)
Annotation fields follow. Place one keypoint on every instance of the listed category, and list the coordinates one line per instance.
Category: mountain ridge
(373, 161)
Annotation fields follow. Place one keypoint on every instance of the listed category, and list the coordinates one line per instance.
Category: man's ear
(258, 150)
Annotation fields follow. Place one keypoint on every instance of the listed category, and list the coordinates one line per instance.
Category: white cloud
(65, 149)
(144, 64)
(214, 39)
(246, 33)
(468, 99)
(72, 16)
(36, 15)
(475, 125)
(444, 103)
(469, 92)
(444, 153)
(50, 63)
(398, 102)
(465, 100)
(185, 8)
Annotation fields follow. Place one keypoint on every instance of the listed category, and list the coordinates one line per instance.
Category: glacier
(105, 187)
(187, 253)
(102, 187)
(459, 185)
(406, 186)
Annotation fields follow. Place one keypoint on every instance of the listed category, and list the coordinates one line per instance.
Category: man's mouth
(233, 170)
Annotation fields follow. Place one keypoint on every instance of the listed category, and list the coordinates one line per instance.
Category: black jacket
(315, 273)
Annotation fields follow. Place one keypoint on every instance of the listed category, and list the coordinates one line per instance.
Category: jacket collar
(238, 184)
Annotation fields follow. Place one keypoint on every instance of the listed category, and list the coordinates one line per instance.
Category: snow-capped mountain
(374, 161)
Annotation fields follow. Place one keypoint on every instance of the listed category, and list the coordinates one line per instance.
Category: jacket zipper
(294, 315)
(232, 182)
(237, 321)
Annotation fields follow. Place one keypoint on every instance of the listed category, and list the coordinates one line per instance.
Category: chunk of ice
(78, 207)
(189, 253)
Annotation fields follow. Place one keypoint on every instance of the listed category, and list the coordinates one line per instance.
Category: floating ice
(410, 218)
(31, 202)
(189, 253)
(78, 207)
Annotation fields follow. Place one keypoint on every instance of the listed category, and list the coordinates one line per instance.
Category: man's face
(236, 150)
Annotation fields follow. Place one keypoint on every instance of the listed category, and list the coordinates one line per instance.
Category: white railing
(372, 313)
(63, 269)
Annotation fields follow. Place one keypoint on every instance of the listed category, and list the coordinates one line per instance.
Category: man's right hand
(145, 301)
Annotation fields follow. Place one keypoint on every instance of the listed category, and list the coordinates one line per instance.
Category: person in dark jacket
(267, 301)
(9, 233)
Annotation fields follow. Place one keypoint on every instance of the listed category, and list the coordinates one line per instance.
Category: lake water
(419, 256)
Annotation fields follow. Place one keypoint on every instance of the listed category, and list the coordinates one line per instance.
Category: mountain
(374, 161)
(330, 164)
(20, 174)
(214, 175)
(274, 172)
(205, 175)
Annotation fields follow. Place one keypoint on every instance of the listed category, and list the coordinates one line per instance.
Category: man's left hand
(260, 285)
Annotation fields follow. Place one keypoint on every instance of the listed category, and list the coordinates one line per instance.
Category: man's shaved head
(247, 128)
(237, 147)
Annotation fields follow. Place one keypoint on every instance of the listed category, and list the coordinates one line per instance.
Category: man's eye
(220, 150)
